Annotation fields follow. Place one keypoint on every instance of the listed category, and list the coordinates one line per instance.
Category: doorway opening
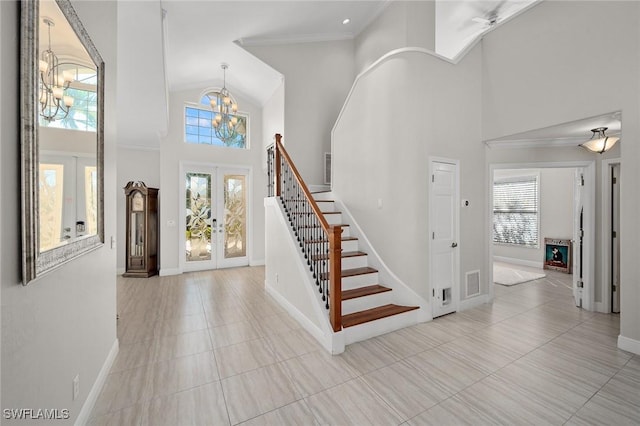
(562, 217)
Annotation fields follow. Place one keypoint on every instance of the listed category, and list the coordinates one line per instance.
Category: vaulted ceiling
(184, 49)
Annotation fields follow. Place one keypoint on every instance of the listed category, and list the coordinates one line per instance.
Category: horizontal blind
(515, 211)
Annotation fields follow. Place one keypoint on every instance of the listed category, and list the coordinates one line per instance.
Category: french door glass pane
(51, 190)
(91, 198)
(235, 216)
(198, 223)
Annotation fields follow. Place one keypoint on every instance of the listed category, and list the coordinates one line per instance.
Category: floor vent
(473, 283)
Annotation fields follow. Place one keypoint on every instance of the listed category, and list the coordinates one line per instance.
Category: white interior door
(215, 217)
(444, 269)
(578, 237)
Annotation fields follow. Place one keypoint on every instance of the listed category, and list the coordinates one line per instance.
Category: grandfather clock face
(137, 202)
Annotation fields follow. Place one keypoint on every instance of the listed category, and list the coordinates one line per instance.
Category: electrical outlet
(76, 386)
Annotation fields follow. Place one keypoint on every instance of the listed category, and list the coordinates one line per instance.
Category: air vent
(473, 283)
(327, 168)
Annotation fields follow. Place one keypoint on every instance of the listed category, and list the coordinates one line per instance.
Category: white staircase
(369, 308)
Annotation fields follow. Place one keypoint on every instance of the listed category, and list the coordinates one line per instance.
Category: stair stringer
(289, 282)
(402, 293)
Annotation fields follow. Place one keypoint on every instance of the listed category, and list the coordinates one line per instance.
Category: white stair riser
(371, 329)
(334, 219)
(349, 245)
(366, 302)
(345, 231)
(326, 206)
(353, 262)
(323, 196)
(356, 281)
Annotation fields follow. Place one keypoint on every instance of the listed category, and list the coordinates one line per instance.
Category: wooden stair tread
(373, 314)
(322, 213)
(351, 272)
(344, 254)
(364, 291)
(324, 240)
(304, 200)
(319, 226)
(357, 271)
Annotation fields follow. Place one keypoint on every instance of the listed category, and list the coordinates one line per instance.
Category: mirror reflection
(67, 117)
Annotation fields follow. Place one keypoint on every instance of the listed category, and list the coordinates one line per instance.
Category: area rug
(506, 275)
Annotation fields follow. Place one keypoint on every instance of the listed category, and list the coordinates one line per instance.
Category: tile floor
(212, 348)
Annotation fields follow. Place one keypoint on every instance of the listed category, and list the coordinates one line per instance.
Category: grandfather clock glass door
(215, 218)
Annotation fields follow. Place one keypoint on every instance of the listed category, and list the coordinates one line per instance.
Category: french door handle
(454, 245)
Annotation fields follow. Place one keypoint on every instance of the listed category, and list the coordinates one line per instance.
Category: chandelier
(224, 108)
(54, 104)
(600, 142)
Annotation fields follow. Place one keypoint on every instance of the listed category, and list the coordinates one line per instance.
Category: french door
(214, 217)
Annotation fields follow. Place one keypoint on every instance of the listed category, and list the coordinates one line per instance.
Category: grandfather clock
(142, 230)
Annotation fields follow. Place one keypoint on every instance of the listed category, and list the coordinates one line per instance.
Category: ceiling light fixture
(55, 104)
(346, 21)
(600, 142)
(224, 107)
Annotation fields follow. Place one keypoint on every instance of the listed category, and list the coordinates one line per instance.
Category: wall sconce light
(600, 142)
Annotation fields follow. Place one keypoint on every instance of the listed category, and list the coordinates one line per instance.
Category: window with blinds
(515, 211)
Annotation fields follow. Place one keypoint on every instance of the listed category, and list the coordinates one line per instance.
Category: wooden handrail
(281, 151)
(333, 232)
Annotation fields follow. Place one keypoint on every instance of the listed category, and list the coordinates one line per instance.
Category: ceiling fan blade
(480, 20)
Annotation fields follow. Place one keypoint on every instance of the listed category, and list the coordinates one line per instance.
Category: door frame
(588, 292)
(184, 165)
(606, 165)
(456, 258)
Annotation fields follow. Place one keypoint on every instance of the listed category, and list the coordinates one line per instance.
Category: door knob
(454, 245)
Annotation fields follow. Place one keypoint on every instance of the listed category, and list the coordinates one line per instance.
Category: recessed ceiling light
(346, 21)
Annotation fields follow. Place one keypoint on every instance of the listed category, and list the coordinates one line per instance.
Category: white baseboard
(473, 302)
(259, 262)
(513, 260)
(94, 393)
(164, 272)
(629, 345)
(316, 332)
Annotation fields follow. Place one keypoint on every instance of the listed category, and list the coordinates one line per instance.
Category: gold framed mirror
(62, 137)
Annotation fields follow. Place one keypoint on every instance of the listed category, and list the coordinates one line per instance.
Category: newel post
(278, 166)
(335, 277)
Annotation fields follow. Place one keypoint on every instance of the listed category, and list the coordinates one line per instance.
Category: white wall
(64, 323)
(401, 24)
(134, 164)
(63, 140)
(405, 110)
(317, 79)
(539, 70)
(174, 150)
(555, 214)
(273, 117)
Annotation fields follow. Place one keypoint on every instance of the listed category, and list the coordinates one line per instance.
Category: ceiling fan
(491, 17)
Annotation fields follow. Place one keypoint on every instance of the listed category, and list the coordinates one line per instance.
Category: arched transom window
(200, 129)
